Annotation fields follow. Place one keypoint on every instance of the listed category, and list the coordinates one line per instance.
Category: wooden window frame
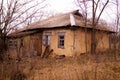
(46, 39)
(61, 40)
(12, 43)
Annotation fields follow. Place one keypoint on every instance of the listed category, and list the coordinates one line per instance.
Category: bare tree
(95, 6)
(13, 14)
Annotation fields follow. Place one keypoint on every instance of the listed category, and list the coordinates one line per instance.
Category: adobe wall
(68, 44)
(82, 41)
(102, 41)
(32, 44)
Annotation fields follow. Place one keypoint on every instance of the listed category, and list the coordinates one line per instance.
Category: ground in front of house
(84, 67)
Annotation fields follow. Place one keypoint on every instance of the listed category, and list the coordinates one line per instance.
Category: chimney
(72, 20)
(76, 12)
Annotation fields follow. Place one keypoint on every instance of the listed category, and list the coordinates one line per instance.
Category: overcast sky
(62, 6)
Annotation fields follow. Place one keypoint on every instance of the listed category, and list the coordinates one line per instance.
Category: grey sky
(62, 6)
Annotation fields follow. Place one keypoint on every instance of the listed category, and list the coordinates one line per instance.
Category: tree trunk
(93, 42)
(4, 42)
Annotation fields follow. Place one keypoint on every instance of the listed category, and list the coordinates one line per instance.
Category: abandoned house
(64, 34)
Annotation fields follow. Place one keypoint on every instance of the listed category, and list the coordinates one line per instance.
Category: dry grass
(84, 67)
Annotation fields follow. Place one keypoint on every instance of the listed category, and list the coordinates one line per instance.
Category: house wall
(68, 44)
(12, 48)
(81, 43)
(32, 45)
(102, 41)
(75, 42)
(101, 37)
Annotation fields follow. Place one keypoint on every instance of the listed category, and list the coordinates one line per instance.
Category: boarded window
(46, 38)
(61, 39)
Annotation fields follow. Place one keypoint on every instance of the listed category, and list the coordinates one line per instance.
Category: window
(46, 39)
(61, 37)
(12, 43)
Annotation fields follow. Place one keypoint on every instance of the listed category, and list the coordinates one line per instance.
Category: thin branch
(22, 21)
(101, 12)
(96, 7)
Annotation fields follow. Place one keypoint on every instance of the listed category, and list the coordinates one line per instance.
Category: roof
(62, 20)
(20, 34)
(54, 21)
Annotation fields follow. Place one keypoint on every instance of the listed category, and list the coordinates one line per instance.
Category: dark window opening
(61, 41)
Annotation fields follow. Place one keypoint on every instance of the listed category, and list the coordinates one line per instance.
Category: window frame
(12, 43)
(61, 41)
(46, 39)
